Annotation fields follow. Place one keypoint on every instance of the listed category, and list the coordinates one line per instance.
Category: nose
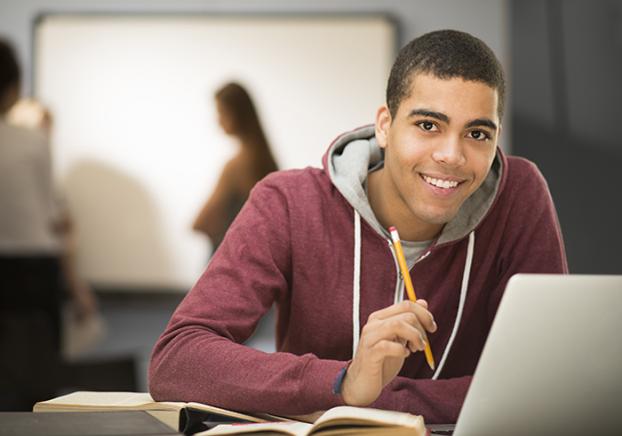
(449, 153)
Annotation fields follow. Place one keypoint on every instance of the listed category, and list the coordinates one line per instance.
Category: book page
(287, 428)
(347, 415)
(344, 420)
(83, 400)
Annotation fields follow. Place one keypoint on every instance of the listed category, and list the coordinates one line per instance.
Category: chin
(438, 217)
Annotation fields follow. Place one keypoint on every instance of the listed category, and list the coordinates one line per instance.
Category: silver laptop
(552, 364)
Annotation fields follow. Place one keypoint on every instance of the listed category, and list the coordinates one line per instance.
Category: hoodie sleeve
(532, 239)
(531, 242)
(200, 356)
(438, 401)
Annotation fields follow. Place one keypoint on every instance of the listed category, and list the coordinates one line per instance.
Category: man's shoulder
(525, 186)
(523, 173)
(296, 179)
(300, 189)
(521, 166)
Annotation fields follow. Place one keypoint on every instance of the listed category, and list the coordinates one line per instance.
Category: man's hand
(388, 338)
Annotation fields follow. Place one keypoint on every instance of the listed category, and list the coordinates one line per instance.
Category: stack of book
(205, 420)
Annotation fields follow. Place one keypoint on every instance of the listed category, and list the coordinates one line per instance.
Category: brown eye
(428, 126)
(479, 135)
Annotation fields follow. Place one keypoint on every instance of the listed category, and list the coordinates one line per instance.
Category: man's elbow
(160, 380)
(155, 381)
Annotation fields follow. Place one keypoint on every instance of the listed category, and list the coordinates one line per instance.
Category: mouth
(445, 183)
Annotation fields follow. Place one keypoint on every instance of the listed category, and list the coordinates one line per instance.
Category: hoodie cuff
(320, 381)
(341, 375)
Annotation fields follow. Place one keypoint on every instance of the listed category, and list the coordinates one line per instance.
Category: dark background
(566, 96)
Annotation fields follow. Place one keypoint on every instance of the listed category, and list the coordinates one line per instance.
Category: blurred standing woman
(238, 118)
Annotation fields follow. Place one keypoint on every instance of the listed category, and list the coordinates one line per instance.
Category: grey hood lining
(352, 155)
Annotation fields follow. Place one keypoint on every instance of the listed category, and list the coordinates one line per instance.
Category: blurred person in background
(30, 114)
(238, 118)
(36, 251)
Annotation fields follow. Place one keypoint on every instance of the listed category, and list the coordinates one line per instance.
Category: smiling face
(438, 151)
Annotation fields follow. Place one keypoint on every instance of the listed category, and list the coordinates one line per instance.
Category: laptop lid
(552, 363)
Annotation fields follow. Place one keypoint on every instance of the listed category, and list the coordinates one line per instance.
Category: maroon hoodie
(294, 243)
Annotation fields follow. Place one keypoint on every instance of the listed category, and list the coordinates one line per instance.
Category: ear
(383, 124)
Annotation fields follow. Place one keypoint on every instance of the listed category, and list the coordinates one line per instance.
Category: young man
(316, 242)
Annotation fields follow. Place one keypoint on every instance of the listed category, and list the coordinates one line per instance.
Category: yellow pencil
(401, 260)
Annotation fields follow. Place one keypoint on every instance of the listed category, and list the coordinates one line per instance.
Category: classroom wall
(135, 124)
(167, 254)
(486, 19)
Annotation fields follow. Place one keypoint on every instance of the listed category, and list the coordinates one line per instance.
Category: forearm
(200, 356)
(439, 401)
(195, 364)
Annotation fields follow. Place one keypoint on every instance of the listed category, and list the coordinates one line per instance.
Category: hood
(350, 157)
(348, 161)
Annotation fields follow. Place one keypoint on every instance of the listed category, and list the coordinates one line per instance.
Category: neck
(394, 212)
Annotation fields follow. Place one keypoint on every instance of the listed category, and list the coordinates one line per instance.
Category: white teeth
(445, 184)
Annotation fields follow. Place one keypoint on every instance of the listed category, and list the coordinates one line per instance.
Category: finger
(386, 348)
(430, 325)
(414, 320)
(403, 328)
(424, 316)
(398, 327)
(394, 309)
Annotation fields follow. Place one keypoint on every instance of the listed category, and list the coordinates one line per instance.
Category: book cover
(188, 418)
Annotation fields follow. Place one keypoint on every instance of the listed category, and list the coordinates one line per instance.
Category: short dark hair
(9, 68)
(445, 54)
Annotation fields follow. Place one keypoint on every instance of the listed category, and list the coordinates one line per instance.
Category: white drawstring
(356, 291)
(463, 292)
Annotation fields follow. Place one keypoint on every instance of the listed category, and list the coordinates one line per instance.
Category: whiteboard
(136, 145)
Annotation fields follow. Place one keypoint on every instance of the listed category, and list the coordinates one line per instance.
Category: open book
(338, 421)
(187, 418)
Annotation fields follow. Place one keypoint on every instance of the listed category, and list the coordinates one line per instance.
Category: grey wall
(567, 70)
(486, 19)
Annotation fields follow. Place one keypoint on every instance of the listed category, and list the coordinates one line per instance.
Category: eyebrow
(429, 113)
(483, 122)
